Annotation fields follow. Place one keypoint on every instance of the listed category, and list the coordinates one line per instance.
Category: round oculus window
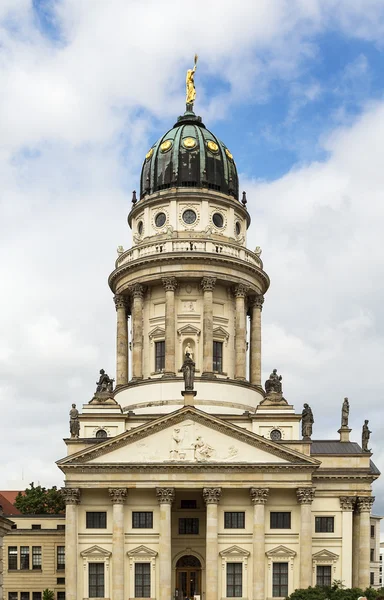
(140, 227)
(189, 142)
(101, 433)
(275, 435)
(160, 219)
(165, 146)
(189, 216)
(237, 228)
(218, 220)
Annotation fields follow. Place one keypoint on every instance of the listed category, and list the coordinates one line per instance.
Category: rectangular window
(61, 527)
(372, 578)
(218, 357)
(142, 580)
(60, 580)
(372, 531)
(188, 526)
(36, 595)
(36, 526)
(24, 595)
(12, 559)
(234, 520)
(36, 558)
(324, 524)
(159, 356)
(60, 595)
(12, 595)
(96, 580)
(60, 558)
(188, 504)
(142, 520)
(324, 576)
(234, 580)
(96, 520)
(280, 520)
(24, 557)
(280, 580)
(372, 554)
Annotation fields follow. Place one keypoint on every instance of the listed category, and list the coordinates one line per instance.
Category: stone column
(170, 285)
(208, 283)
(259, 497)
(347, 504)
(165, 496)
(355, 547)
(364, 504)
(305, 498)
(240, 292)
(118, 496)
(255, 341)
(212, 498)
(137, 292)
(72, 499)
(121, 340)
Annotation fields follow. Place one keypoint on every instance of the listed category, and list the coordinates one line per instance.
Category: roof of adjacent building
(335, 447)
(7, 500)
(189, 155)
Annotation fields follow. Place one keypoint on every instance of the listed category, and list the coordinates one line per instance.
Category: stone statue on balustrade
(345, 413)
(188, 370)
(307, 422)
(365, 434)
(105, 383)
(274, 390)
(74, 423)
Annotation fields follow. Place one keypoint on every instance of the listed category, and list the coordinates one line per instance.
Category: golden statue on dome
(190, 86)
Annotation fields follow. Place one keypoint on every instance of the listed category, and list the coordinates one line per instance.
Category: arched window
(101, 433)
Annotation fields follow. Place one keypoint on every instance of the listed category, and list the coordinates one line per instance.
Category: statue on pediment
(74, 423)
(307, 421)
(273, 384)
(345, 413)
(365, 435)
(105, 383)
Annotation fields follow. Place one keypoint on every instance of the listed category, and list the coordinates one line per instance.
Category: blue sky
(295, 90)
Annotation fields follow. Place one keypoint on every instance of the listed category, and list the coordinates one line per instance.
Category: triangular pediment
(189, 330)
(157, 332)
(220, 333)
(188, 436)
(281, 552)
(142, 551)
(325, 555)
(94, 552)
(234, 551)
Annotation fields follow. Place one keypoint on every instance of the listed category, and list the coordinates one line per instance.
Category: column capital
(118, 495)
(208, 283)
(305, 495)
(347, 503)
(71, 495)
(120, 301)
(364, 503)
(169, 283)
(240, 291)
(259, 495)
(137, 290)
(257, 301)
(165, 495)
(211, 495)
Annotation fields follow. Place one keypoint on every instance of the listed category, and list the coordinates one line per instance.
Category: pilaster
(259, 497)
(121, 339)
(72, 499)
(208, 284)
(364, 506)
(255, 340)
(212, 498)
(347, 505)
(240, 293)
(137, 292)
(305, 498)
(118, 496)
(165, 497)
(170, 285)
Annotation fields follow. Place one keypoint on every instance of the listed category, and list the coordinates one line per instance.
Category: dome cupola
(189, 155)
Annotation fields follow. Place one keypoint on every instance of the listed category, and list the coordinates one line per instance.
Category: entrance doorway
(188, 577)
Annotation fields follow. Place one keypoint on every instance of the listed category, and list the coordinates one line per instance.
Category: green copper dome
(189, 155)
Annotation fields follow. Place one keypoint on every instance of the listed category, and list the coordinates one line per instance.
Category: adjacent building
(191, 478)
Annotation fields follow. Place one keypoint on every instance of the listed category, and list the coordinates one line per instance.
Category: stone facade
(212, 493)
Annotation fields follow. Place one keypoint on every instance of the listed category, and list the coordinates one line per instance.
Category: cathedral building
(190, 479)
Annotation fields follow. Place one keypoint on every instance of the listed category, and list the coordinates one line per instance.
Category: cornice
(196, 257)
(182, 466)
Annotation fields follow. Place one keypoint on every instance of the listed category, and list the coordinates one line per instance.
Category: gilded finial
(190, 86)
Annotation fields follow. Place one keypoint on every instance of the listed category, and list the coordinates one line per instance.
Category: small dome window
(275, 435)
(140, 227)
(101, 433)
(189, 216)
(238, 228)
(218, 220)
(160, 219)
